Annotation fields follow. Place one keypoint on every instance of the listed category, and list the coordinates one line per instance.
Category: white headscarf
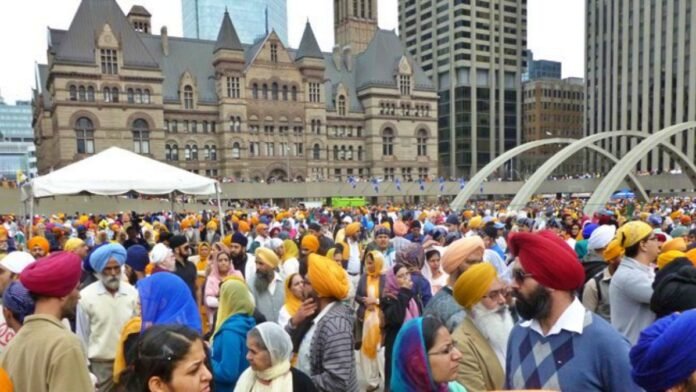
(162, 256)
(601, 237)
(279, 346)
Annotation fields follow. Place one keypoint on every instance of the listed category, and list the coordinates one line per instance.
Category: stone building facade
(225, 109)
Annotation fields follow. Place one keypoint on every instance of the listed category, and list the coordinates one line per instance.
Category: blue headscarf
(17, 300)
(102, 255)
(166, 299)
(665, 354)
(410, 363)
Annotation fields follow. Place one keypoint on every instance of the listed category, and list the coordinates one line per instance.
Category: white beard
(495, 326)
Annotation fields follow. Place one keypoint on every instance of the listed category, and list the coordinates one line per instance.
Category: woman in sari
(369, 291)
(220, 268)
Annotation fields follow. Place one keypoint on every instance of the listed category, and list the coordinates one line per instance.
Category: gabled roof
(308, 45)
(79, 42)
(227, 36)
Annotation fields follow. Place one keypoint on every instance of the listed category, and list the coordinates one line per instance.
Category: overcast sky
(555, 31)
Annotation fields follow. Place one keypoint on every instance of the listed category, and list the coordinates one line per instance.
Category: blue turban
(17, 300)
(665, 354)
(588, 229)
(137, 257)
(103, 254)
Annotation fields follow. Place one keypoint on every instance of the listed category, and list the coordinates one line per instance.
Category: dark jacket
(675, 292)
(361, 292)
(394, 309)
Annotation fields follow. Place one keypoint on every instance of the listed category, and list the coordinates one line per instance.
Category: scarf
(391, 288)
(291, 250)
(292, 303)
(279, 375)
(372, 334)
(410, 363)
(132, 327)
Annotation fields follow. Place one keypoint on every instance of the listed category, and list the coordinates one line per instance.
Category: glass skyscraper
(202, 18)
(17, 150)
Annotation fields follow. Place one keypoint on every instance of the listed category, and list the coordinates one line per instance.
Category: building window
(233, 87)
(213, 153)
(188, 97)
(299, 149)
(236, 151)
(294, 93)
(114, 94)
(194, 126)
(405, 84)
(360, 153)
(141, 137)
(175, 152)
(130, 94)
(274, 52)
(81, 93)
(90, 94)
(270, 149)
(349, 154)
(264, 91)
(274, 91)
(187, 152)
(175, 126)
(107, 94)
(335, 153)
(388, 142)
(422, 143)
(254, 149)
(255, 91)
(138, 95)
(84, 133)
(314, 92)
(146, 96)
(341, 105)
(212, 126)
(194, 152)
(73, 93)
(109, 61)
(167, 152)
(206, 152)
(285, 92)
(316, 152)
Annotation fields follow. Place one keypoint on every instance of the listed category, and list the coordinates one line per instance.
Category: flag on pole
(398, 185)
(421, 184)
(442, 184)
(375, 185)
(462, 183)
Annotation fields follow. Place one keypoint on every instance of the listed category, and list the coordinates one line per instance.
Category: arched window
(167, 152)
(187, 152)
(335, 153)
(213, 153)
(114, 94)
(360, 153)
(206, 152)
(294, 93)
(90, 94)
(107, 94)
(73, 92)
(318, 130)
(81, 93)
(349, 155)
(255, 91)
(194, 152)
(232, 123)
(341, 105)
(146, 96)
(188, 97)
(138, 95)
(274, 91)
(130, 96)
(141, 136)
(342, 153)
(285, 92)
(239, 124)
(264, 91)
(316, 152)
(175, 152)
(422, 140)
(388, 142)
(84, 133)
(236, 151)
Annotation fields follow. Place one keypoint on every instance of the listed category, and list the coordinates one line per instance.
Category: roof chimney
(337, 56)
(348, 57)
(139, 18)
(165, 40)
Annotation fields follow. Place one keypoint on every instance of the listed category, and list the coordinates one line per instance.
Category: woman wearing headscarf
(399, 305)
(425, 358)
(368, 293)
(433, 272)
(290, 263)
(220, 268)
(412, 257)
(234, 321)
(270, 350)
(294, 295)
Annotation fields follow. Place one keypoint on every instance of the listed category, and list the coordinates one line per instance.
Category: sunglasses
(520, 276)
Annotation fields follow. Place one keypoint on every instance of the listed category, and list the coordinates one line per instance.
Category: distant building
(544, 69)
(225, 109)
(17, 152)
(552, 108)
(251, 18)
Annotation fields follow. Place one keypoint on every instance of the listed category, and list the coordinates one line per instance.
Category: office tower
(17, 151)
(640, 74)
(251, 18)
(474, 52)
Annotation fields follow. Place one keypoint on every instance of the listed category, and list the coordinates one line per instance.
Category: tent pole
(31, 217)
(219, 205)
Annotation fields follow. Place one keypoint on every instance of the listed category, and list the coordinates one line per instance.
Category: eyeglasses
(493, 295)
(446, 351)
(520, 276)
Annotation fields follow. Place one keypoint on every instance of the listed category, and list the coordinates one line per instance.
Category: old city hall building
(227, 109)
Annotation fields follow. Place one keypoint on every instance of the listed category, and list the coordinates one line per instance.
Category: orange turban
(352, 229)
(691, 255)
(39, 241)
(460, 251)
(243, 226)
(667, 257)
(3, 233)
(5, 381)
(678, 243)
(473, 284)
(310, 242)
(327, 278)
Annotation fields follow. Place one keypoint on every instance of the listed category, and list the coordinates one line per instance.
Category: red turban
(548, 259)
(53, 276)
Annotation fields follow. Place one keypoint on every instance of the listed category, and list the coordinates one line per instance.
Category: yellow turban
(473, 284)
(227, 241)
(327, 278)
(310, 242)
(667, 257)
(633, 232)
(460, 251)
(212, 225)
(678, 243)
(475, 222)
(613, 250)
(691, 255)
(243, 227)
(352, 229)
(42, 242)
(267, 256)
(73, 244)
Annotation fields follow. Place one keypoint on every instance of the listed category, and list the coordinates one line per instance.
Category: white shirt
(572, 320)
(6, 333)
(304, 360)
(101, 316)
(353, 258)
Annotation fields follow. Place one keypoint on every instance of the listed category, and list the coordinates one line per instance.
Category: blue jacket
(230, 350)
(421, 287)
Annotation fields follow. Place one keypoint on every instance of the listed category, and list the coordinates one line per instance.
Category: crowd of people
(381, 298)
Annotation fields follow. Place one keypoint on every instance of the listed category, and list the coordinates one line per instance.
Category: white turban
(601, 237)
(275, 243)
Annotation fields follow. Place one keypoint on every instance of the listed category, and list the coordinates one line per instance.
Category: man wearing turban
(631, 286)
(38, 246)
(10, 267)
(45, 352)
(104, 308)
(355, 251)
(326, 352)
(267, 285)
(242, 261)
(664, 358)
(482, 337)
(457, 258)
(561, 345)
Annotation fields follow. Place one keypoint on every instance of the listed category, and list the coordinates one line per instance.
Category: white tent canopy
(116, 171)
